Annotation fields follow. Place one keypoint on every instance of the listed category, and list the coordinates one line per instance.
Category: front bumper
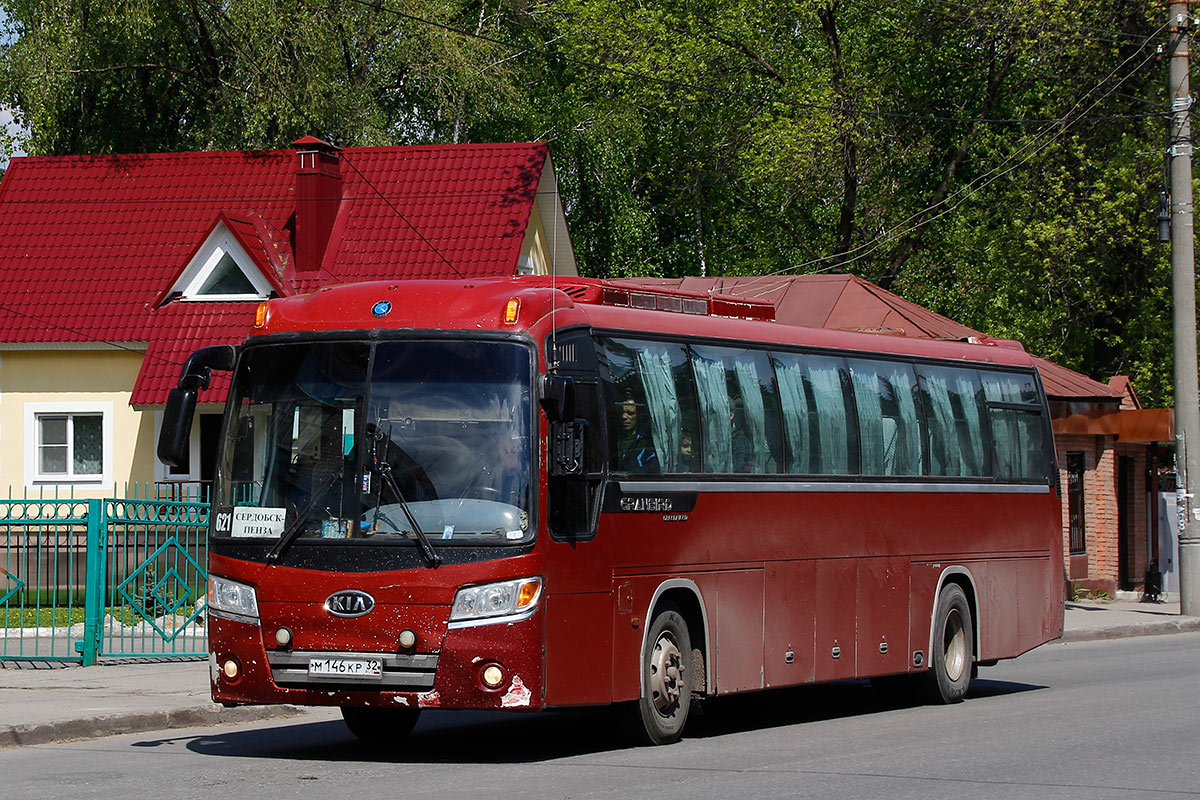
(451, 678)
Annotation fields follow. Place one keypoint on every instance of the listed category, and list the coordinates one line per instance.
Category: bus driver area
(530, 493)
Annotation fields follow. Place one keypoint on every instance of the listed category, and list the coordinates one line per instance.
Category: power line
(1022, 155)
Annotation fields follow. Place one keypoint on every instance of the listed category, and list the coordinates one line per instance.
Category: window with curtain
(739, 407)
(654, 405)
(1014, 410)
(70, 445)
(888, 418)
(818, 430)
(954, 407)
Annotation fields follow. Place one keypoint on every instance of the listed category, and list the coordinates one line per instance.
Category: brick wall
(1100, 509)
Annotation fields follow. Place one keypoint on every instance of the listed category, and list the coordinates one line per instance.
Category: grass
(63, 617)
(41, 617)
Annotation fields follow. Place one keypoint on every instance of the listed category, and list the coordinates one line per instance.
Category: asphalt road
(1113, 719)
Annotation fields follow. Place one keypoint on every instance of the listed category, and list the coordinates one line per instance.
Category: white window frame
(33, 477)
(198, 271)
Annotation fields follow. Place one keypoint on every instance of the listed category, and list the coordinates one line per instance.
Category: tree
(997, 162)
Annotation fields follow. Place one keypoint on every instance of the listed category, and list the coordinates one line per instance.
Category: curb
(116, 724)
(1185, 625)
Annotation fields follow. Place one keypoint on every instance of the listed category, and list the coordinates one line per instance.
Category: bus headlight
(504, 599)
(232, 599)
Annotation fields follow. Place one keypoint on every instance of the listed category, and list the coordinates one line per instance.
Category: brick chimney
(318, 195)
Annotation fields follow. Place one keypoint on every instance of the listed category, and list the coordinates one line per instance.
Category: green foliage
(718, 136)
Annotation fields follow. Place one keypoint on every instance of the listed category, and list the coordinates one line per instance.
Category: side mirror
(177, 426)
(181, 401)
(556, 393)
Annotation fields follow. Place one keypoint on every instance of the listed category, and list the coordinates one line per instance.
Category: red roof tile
(90, 244)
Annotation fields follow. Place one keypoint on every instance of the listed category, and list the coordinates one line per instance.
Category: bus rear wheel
(952, 657)
(662, 711)
(380, 724)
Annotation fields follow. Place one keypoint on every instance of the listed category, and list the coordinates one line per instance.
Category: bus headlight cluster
(232, 599)
(503, 599)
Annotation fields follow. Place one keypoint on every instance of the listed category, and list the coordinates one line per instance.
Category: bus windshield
(392, 442)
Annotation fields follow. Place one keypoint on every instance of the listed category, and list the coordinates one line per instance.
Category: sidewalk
(43, 705)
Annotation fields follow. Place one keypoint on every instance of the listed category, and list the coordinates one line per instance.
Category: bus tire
(380, 724)
(953, 638)
(661, 712)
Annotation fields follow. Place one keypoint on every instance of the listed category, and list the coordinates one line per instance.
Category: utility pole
(1183, 286)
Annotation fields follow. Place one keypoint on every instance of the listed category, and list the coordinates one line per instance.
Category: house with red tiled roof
(116, 267)
(1104, 439)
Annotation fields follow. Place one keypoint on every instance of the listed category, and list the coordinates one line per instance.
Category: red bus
(526, 494)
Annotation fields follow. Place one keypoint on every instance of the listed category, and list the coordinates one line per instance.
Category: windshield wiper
(423, 544)
(293, 531)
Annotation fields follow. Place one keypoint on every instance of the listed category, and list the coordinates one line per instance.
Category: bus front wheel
(380, 724)
(953, 638)
(662, 710)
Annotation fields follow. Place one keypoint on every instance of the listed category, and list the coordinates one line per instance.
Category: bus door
(578, 596)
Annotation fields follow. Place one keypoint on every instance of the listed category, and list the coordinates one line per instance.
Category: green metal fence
(81, 580)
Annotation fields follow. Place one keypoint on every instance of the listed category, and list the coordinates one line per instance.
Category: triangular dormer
(221, 271)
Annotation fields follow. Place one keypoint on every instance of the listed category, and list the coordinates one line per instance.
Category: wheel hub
(955, 645)
(667, 674)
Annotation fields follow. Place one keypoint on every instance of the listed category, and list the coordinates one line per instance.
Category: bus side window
(953, 399)
(652, 399)
(888, 417)
(1014, 410)
(818, 428)
(739, 407)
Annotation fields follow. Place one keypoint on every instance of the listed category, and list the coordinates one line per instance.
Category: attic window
(227, 278)
(221, 270)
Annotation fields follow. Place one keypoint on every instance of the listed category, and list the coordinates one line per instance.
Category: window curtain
(972, 449)
(1005, 435)
(714, 413)
(795, 414)
(654, 365)
(870, 418)
(832, 424)
(907, 458)
(88, 452)
(753, 413)
(946, 458)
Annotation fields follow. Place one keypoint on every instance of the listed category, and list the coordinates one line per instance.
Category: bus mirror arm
(566, 447)
(181, 401)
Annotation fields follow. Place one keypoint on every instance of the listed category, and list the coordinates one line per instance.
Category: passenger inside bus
(635, 447)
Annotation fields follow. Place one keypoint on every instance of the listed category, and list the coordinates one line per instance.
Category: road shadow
(441, 737)
(808, 704)
(469, 737)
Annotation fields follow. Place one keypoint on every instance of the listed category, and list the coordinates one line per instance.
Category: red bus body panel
(792, 586)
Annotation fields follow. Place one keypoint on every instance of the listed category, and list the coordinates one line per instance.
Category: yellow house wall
(535, 244)
(73, 376)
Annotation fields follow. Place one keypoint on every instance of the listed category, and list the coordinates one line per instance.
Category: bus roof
(537, 304)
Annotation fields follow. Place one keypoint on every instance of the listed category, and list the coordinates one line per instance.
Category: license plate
(346, 667)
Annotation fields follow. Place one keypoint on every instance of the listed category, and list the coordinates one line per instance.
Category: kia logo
(349, 603)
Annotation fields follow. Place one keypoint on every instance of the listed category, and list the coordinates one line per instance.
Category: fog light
(493, 676)
(283, 637)
(230, 668)
(408, 639)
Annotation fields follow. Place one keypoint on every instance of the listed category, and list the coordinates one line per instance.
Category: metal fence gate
(86, 579)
